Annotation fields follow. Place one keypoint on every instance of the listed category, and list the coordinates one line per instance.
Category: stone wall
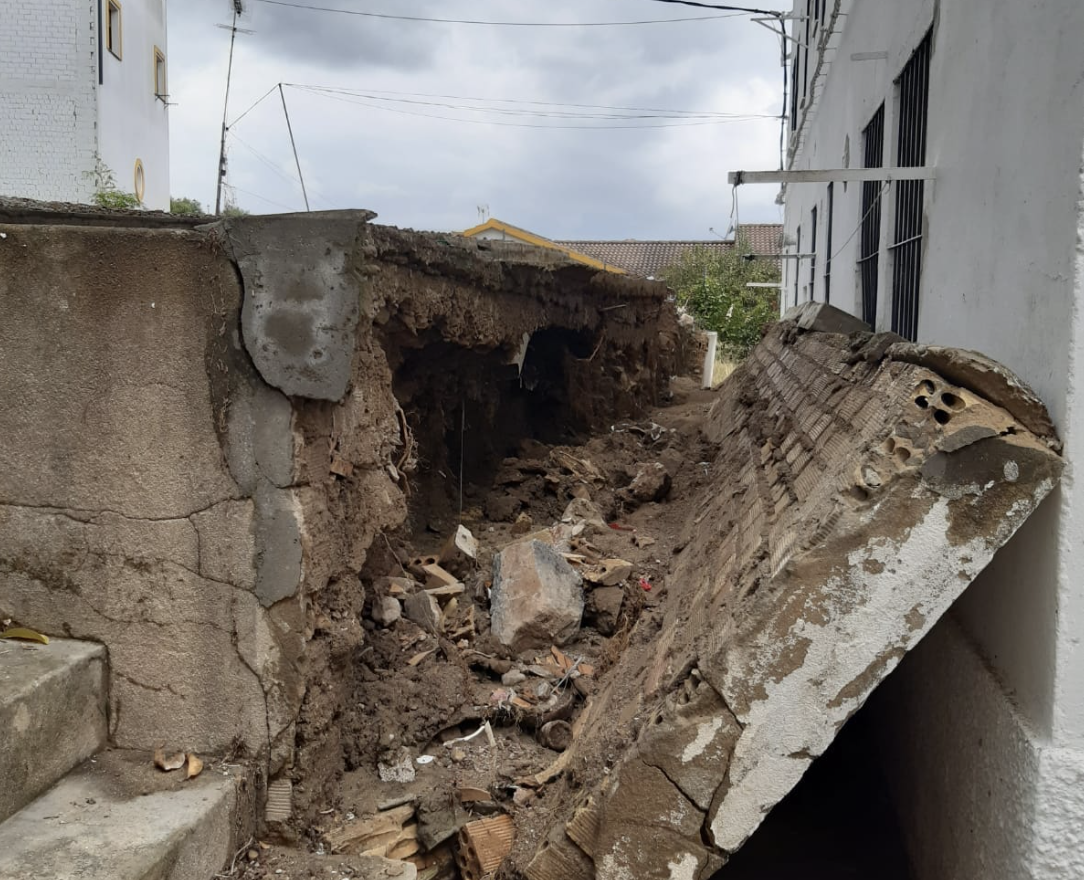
(202, 443)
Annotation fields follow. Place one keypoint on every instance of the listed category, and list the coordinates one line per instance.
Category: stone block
(537, 597)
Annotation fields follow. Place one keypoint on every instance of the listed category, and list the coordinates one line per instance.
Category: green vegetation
(712, 287)
(185, 207)
(106, 194)
(234, 211)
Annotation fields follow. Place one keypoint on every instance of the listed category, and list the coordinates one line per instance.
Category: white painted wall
(55, 117)
(48, 111)
(133, 121)
(1003, 272)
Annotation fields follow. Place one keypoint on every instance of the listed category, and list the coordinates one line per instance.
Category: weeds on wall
(106, 194)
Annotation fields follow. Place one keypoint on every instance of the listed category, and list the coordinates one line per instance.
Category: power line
(278, 169)
(379, 95)
(550, 24)
(267, 94)
(742, 9)
(676, 124)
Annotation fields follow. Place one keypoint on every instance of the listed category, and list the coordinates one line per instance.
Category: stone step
(116, 817)
(52, 714)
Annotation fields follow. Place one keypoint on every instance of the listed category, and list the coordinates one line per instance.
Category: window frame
(114, 8)
(160, 58)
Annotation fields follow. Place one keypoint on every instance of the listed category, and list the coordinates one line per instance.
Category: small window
(113, 32)
(140, 180)
(160, 89)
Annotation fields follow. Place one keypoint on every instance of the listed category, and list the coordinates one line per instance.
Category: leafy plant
(712, 286)
(185, 207)
(106, 194)
(234, 211)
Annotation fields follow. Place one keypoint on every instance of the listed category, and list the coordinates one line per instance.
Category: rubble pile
(622, 654)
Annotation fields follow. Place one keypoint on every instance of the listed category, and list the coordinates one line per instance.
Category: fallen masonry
(422, 549)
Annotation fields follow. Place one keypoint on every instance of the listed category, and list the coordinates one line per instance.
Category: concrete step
(52, 714)
(118, 818)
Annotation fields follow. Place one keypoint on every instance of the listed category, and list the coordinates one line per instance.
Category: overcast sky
(366, 151)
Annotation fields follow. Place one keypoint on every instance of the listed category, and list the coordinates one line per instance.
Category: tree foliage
(185, 207)
(712, 287)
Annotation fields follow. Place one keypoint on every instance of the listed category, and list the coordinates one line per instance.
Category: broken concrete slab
(52, 714)
(423, 609)
(604, 608)
(824, 318)
(118, 818)
(851, 503)
(609, 572)
(537, 597)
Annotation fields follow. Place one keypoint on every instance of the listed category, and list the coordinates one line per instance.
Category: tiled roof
(650, 258)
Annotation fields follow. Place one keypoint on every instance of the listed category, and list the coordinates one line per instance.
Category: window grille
(797, 264)
(873, 145)
(830, 207)
(913, 93)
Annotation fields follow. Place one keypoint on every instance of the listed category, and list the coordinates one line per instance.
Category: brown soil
(398, 710)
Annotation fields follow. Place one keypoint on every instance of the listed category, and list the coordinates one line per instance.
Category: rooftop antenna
(237, 7)
(483, 213)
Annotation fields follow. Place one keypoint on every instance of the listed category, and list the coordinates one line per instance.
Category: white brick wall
(48, 98)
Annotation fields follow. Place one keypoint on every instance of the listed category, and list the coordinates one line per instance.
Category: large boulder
(537, 597)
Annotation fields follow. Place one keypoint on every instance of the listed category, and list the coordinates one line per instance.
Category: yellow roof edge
(530, 238)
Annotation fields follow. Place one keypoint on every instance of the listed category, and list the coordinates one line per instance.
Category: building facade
(984, 250)
(84, 99)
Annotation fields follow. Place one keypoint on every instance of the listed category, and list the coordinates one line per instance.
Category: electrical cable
(270, 91)
(743, 9)
(873, 204)
(281, 172)
(648, 112)
(549, 24)
(678, 124)
(261, 198)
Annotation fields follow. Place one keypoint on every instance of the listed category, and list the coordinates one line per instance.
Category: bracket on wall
(830, 175)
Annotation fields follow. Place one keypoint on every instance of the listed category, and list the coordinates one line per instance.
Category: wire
(873, 205)
(279, 170)
(743, 9)
(550, 24)
(680, 124)
(378, 95)
(261, 198)
(254, 106)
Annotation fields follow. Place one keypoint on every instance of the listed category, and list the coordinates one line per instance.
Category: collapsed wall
(207, 429)
(856, 490)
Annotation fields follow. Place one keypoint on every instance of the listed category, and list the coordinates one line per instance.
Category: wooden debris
(446, 591)
(374, 835)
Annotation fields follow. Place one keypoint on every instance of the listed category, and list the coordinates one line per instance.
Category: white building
(986, 754)
(84, 99)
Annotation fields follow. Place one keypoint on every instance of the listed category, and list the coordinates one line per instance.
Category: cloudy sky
(372, 136)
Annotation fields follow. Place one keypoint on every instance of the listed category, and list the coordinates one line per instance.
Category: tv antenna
(237, 7)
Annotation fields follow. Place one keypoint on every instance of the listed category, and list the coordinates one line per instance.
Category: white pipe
(709, 359)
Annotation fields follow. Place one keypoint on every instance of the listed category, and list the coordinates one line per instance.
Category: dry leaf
(419, 657)
(195, 766)
(168, 762)
(23, 634)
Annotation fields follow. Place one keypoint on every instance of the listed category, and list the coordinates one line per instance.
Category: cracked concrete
(852, 500)
(203, 442)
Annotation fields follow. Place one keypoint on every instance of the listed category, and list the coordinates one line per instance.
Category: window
(913, 94)
(805, 49)
(797, 264)
(831, 205)
(140, 180)
(873, 146)
(813, 253)
(113, 32)
(160, 89)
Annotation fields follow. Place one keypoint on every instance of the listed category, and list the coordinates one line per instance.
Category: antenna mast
(238, 10)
